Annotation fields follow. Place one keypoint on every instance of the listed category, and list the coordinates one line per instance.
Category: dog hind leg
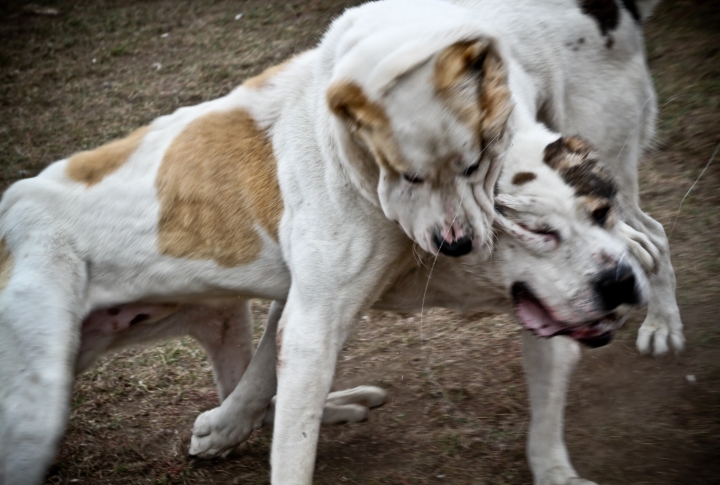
(40, 316)
(226, 336)
(218, 431)
(548, 365)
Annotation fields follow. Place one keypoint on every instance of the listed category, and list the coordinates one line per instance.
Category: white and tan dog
(323, 172)
(289, 188)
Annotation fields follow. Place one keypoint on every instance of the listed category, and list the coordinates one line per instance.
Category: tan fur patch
(348, 101)
(453, 67)
(90, 167)
(217, 181)
(454, 62)
(6, 264)
(478, 61)
(262, 79)
(521, 178)
(367, 121)
(495, 100)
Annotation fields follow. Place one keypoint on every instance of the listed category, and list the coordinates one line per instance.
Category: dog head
(423, 139)
(563, 256)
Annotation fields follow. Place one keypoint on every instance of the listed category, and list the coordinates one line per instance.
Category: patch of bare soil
(458, 409)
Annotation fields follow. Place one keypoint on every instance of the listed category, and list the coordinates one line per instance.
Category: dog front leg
(662, 328)
(310, 338)
(548, 365)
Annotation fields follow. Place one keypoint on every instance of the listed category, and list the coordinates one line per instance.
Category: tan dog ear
(476, 59)
(348, 101)
(456, 61)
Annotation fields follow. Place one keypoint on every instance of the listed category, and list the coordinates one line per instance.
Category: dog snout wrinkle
(458, 247)
(616, 287)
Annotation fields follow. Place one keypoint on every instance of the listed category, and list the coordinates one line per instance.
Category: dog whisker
(692, 187)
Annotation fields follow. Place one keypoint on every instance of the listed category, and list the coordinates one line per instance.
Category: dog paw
(347, 413)
(641, 247)
(352, 405)
(367, 396)
(214, 436)
(658, 336)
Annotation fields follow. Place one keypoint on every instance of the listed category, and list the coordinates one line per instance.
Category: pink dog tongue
(534, 317)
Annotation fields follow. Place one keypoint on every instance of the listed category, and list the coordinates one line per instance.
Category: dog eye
(471, 169)
(544, 231)
(600, 214)
(413, 179)
(547, 233)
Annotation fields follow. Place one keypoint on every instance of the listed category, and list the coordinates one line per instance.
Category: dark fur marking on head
(553, 153)
(571, 157)
(587, 181)
(521, 178)
(605, 12)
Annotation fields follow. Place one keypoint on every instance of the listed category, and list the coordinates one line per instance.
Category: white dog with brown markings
(292, 188)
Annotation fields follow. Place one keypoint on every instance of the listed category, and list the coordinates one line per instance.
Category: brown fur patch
(217, 180)
(6, 264)
(452, 68)
(476, 60)
(521, 178)
(573, 158)
(90, 167)
(348, 101)
(262, 79)
(367, 121)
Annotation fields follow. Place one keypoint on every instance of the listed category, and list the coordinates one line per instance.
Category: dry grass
(458, 411)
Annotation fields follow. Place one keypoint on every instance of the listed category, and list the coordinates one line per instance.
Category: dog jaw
(537, 318)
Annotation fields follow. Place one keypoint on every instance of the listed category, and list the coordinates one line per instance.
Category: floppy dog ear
(457, 61)
(348, 102)
(476, 60)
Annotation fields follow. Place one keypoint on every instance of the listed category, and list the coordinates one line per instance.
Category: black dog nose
(617, 286)
(458, 247)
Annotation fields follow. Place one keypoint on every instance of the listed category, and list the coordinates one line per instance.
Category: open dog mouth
(535, 317)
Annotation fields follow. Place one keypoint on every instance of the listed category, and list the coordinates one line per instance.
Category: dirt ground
(458, 410)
